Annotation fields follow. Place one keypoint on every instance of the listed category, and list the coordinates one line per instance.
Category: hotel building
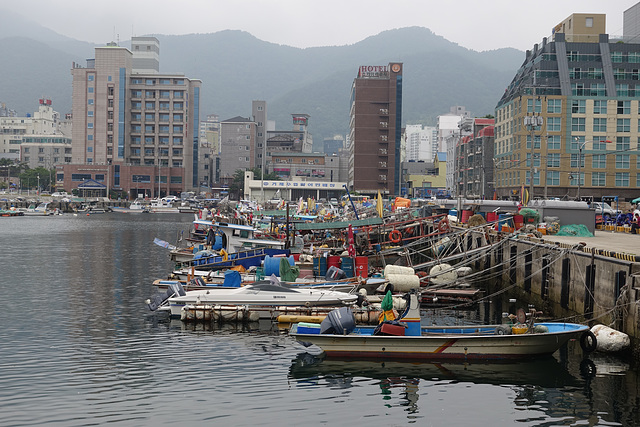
(375, 130)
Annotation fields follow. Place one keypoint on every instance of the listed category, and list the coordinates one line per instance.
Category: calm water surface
(78, 347)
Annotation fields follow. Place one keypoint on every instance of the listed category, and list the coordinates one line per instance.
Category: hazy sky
(477, 25)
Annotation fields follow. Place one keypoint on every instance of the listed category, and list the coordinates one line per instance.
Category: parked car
(604, 209)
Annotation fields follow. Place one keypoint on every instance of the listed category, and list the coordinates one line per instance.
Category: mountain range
(236, 68)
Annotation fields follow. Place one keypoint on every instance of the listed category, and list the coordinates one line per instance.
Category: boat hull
(472, 343)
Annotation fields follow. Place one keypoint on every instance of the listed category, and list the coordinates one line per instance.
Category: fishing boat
(217, 279)
(263, 293)
(163, 205)
(218, 261)
(408, 340)
(137, 206)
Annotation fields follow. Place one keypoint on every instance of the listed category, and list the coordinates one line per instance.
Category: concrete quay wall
(600, 288)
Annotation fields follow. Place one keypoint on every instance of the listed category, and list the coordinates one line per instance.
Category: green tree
(30, 178)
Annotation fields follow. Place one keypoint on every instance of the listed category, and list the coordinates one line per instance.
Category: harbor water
(79, 347)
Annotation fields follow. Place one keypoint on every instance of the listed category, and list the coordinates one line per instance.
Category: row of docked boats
(226, 272)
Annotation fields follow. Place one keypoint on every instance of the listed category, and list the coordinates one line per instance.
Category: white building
(421, 142)
(43, 122)
(449, 133)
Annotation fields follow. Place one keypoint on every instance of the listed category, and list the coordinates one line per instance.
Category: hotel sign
(373, 71)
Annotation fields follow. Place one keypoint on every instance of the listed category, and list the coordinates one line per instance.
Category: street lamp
(532, 122)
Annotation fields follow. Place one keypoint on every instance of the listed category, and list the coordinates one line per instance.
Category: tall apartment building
(237, 147)
(568, 124)
(134, 129)
(421, 141)
(375, 129)
(450, 131)
(209, 149)
(259, 113)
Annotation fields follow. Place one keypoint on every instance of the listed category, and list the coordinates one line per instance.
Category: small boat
(39, 210)
(162, 206)
(408, 340)
(263, 293)
(137, 206)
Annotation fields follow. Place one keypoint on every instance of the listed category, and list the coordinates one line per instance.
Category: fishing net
(579, 230)
(531, 216)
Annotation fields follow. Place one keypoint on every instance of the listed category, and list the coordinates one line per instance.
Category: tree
(32, 177)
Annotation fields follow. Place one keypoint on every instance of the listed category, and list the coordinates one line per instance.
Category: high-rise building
(237, 147)
(567, 124)
(134, 129)
(333, 145)
(376, 129)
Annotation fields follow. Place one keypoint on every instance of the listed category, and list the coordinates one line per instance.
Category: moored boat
(262, 293)
(408, 340)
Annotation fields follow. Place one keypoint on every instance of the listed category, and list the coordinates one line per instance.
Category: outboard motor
(338, 321)
(334, 273)
(158, 300)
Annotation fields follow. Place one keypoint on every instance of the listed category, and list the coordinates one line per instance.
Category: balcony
(382, 165)
(382, 152)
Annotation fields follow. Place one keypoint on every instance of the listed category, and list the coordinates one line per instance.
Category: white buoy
(442, 274)
(398, 269)
(403, 282)
(609, 340)
(464, 271)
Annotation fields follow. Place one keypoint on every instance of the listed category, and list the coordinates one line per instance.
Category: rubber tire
(588, 342)
(503, 330)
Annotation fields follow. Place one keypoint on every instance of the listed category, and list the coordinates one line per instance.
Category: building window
(554, 106)
(624, 107)
(177, 129)
(90, 89)
(616, 57)
(177, 117)
(599, 161)
(178, 106)
(533, 106)
(574, 160)
(578, 124)
(553, 160)
(623, 143)
(600, 124)
(91, 77)
(163, 128)
(90, 113)
(623, 125)
(89, 125)
(622, 179)
(89, 137)
(599, 179)
(150, 82)
(554, 124)
(178, 94)
(553, 142)
(150, 105)
(622, 161)
(90, 101)
(578, 106)
(150, 117)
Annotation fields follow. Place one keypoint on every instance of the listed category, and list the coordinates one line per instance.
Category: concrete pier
(596, 277)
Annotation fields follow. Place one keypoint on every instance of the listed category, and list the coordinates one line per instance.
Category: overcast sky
(477, 25)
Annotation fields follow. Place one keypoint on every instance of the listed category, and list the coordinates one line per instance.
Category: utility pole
(532, 122)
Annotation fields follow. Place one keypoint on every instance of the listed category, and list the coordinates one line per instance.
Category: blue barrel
(347, 266)
(272, 265)
(319, 266)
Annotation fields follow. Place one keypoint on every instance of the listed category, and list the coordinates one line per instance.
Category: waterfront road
(606, 240)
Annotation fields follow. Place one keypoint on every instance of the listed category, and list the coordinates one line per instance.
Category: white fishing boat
(263, 293)
(338, 336)
(36, 210)
(162, 206)
(237, 237)
(137, 206)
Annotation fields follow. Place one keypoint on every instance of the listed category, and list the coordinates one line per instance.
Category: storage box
(388, 329)
(308, 328)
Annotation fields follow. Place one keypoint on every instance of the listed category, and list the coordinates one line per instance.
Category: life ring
(443, 225)
(588, 341)
(224, 255)
(395, 236)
